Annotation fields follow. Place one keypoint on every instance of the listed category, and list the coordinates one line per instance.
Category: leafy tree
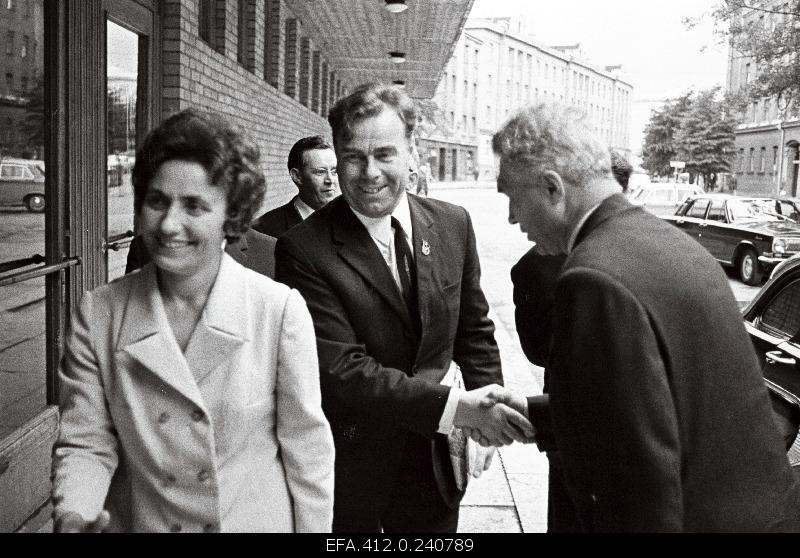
(659, 141)
(769, 34)
(704, 138)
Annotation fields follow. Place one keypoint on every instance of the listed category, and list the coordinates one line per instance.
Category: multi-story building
(496, 68)
(768, 133)
(111, 70)
(21, 38)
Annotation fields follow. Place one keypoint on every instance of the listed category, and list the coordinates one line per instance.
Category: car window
(782, 314)
(698, 209)
(11, 171)
(661, 195)
(717, 211)
(752, 210)
(789, 210)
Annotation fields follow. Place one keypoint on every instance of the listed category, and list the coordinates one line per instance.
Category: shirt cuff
(449, 413)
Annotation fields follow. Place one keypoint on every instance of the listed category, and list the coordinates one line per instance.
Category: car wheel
(749, 270)
(34, 202)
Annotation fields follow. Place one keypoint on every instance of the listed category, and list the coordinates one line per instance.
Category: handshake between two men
(496, 416)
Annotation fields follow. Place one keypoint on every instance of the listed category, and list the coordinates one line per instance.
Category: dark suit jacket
(660, 412)
(378, 381)
(253, 250)
(279, 220)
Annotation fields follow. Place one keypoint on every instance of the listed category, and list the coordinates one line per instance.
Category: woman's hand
(72, 522)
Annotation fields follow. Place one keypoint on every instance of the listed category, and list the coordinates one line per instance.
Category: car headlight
(779, 246)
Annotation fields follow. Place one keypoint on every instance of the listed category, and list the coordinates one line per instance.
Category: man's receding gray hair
(554, 137)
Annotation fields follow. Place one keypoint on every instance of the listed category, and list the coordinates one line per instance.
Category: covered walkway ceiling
(357, 36)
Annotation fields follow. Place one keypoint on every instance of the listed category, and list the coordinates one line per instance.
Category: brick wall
(195, 74)
(759, 183)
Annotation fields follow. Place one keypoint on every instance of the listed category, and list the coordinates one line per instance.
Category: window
(747, 73)
(698, 209)
(717, 211)
(755, 111)
(9, 83)
(244, 33)
(750, 162)
(741, 159)
(25, 46)
(762, 163)
(207, 23)
(782, 314)
(9, 43)
(24, 84)
(774, 159)
(766, 106)
(11, 5)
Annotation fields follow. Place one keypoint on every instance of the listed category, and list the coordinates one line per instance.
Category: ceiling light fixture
(396, 6)
(397, 56)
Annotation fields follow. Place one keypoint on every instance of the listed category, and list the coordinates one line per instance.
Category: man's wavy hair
(230, 159)
(554, 137)
(369, 100)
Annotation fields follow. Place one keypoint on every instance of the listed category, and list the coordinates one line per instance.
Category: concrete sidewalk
(511, 497)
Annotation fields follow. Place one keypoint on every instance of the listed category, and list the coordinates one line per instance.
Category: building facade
(21, 38)
(110, 70)
(495, 69)
(768, 132)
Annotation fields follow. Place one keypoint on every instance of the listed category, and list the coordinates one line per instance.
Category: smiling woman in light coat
(189, 391)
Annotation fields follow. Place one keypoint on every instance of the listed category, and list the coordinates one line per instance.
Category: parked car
(22, 183)
(746, 233)
(663, 198)
(772, 319)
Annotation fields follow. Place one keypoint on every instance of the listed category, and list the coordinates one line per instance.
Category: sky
(660, 56)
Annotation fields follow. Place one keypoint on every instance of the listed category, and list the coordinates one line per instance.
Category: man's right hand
(73, 522)
(490, 422)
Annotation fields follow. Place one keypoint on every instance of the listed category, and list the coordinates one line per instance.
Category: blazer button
(175, 528)
(197, 415)
(209, 528)
(203, 475)
(163, 417)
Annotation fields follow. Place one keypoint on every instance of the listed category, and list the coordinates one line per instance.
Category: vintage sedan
(746, 233)
(773, 321)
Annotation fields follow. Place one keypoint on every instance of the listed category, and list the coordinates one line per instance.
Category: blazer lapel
(426, 242)
(145, 334)
(358, 249)
(223, 325)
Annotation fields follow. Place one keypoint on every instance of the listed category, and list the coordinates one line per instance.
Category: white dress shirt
(302, 208)
(380, 229)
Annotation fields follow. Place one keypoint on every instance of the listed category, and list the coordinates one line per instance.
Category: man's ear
(295, 174)
(554, 184)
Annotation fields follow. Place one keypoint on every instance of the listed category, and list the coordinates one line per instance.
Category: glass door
(128, 38)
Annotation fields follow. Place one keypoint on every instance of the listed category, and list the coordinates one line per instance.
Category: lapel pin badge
(426, 248)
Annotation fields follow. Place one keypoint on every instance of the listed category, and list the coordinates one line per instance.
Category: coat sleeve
(85, 453)
(303, 432)
(474, 348)
(350, 377)
(612, 407)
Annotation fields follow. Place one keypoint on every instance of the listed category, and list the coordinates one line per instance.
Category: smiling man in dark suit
(392, 282)
(659, 410)
(312, 166)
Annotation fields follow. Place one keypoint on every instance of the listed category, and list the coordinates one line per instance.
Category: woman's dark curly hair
(230, 159)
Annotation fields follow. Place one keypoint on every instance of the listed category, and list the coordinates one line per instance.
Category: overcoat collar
(146, 335)
(612, 205)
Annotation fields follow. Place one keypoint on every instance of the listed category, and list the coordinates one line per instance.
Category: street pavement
(511, 497)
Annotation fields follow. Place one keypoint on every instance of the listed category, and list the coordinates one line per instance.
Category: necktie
(405, 269)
